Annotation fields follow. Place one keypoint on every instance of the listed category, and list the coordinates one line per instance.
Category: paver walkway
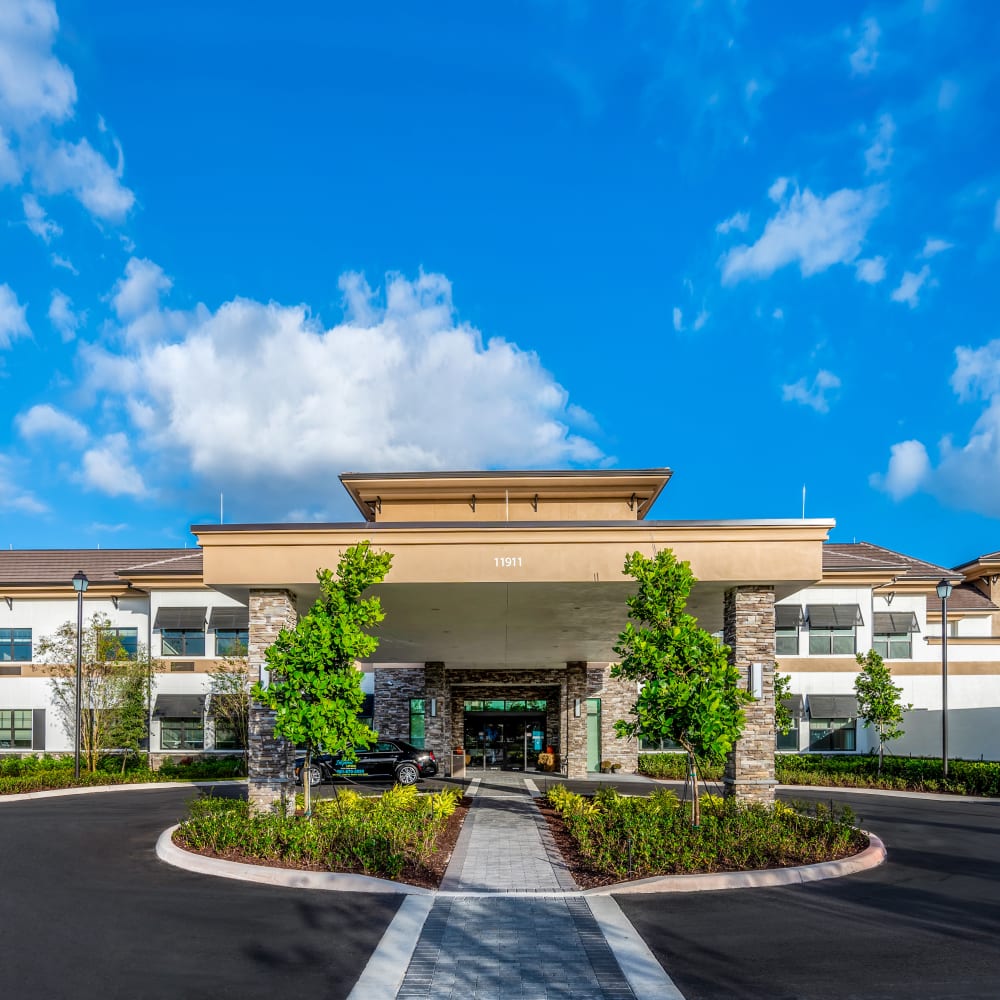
(517, 944)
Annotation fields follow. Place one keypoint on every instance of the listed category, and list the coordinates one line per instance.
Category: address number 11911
(507, 562)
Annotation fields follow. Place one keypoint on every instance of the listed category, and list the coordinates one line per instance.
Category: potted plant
(610, 766)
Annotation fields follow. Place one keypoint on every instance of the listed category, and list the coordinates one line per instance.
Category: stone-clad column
(437, 727)
(748, 630)
(271, 780)
(576, 734)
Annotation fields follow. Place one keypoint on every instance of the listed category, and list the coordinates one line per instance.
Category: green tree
(689, 690)
(878, 700)
(315, 686)
(114, 688)
(230, 700)
(783, 720)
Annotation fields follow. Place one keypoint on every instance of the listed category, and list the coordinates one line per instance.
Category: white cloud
(870, 270)
(62, 315)
(37, 221)
(814, 395)
(108, 469)
(264, 399)
(865, 54)
(13, 322)
(81, 170)
(908, 469)
(45, 421)
(777, 190)
(12, 497)
(34, 85)
(812, 231)
(700, 320)
(63, 262)
(678, 319)
(910, 285)
(878, 155)
(139, 291)
(737, 222)
(933, 247)
(966, 476)
(37, 96)
(10, 167)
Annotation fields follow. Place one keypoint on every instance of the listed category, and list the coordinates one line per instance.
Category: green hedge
(378, 835)
(638, 837)
(919, 774)
(34, 773)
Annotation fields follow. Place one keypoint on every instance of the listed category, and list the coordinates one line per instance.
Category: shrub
(919, 774)
(203, 769)
(637, 837)
(377, 835)
(674, 766)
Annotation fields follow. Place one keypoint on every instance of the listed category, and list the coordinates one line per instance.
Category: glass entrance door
(504, 742)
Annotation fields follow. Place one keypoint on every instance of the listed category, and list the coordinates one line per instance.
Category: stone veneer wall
(452, 687)
(394, 687)
(271, 780)
(748, 630)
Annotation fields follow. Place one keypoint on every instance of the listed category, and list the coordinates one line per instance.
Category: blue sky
(250, 247)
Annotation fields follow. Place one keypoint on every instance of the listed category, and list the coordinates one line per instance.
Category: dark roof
(841, 556)
(46, 567)
(964, 597)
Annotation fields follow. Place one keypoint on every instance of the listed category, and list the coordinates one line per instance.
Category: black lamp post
(944, 592)
(80, 582)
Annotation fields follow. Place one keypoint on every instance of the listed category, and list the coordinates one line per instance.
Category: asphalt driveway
(91, 914)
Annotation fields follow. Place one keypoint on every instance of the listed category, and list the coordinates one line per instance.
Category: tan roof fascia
(560, 484)
(743, 551)
(49, 591)
(858, 578)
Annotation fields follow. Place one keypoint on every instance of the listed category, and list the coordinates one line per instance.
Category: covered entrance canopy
(500, 578)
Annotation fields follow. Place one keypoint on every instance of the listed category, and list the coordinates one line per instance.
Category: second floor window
(893, 634)
(232, 641)
(15, 645)
(118, 643)
(183, 642)
(833, 629)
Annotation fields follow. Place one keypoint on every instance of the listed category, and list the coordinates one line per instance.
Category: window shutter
(38, 729)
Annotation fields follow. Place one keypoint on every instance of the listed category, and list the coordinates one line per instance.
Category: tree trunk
(307, 782)
(695, 800)
(880, 746)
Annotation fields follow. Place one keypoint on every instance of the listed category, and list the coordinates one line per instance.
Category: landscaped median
(912, 774)
(401, 835)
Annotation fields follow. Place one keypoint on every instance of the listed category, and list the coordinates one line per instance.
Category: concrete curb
(137, 787)
(289, 878)
(949, 797)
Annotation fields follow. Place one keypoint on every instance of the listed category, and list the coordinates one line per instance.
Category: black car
(393, 759)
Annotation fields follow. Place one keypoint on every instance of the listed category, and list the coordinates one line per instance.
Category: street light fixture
(944, 592)
(80, 583)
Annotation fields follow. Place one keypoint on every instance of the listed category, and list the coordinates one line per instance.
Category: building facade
(505, 598)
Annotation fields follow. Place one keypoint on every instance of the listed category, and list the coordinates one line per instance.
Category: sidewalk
(534, 939)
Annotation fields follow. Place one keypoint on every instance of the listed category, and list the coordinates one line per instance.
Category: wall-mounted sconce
(10, 603)
(434, 706)
(114, 601)
(576, 708)
(755, 680)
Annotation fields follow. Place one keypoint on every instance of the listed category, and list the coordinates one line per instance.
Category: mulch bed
(584, 874)
(426, 876)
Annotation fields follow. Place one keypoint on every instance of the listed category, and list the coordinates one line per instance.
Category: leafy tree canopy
(879, 705)
(689, 690)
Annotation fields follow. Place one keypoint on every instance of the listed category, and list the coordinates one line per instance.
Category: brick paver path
(531, 939)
